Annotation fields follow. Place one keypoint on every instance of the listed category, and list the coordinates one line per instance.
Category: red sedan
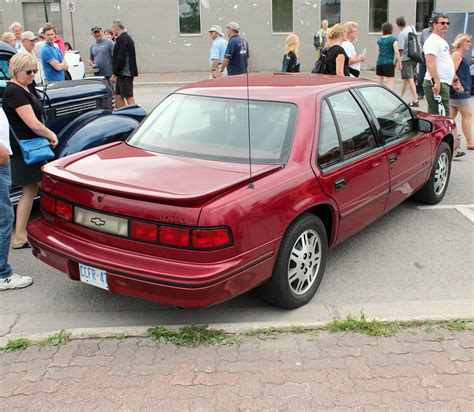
(202, 204)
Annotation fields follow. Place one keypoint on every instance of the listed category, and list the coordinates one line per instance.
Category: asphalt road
(412, 263)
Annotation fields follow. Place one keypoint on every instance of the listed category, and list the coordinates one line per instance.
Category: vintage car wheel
(300, 264)
(437, 184)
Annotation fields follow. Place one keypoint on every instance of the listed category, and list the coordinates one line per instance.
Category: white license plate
(93, 276)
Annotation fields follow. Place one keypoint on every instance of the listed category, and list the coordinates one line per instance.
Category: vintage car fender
(96, 128)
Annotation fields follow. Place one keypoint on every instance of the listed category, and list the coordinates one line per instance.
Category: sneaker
(460, 153)
(15, 281)
(414, 104)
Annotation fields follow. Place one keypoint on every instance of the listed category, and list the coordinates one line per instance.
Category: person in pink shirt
(60, 42)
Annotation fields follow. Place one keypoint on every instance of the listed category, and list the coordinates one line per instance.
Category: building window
(378, 14)
(424, 10)
(282, 16)
(189, 16)
(331, 11)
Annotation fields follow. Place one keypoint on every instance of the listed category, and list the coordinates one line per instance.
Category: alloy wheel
(304, 262)
(441, 173)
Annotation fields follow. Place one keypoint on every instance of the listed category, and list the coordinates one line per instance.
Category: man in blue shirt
(218, 48)
(237, 53)
(52, 59)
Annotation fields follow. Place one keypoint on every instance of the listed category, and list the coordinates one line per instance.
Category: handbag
(413, 51)
(36, 150)
(320, 65)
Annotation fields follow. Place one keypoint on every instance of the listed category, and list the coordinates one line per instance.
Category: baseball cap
(95, 28)
(233, 25)
(28, 35)
(217, 29)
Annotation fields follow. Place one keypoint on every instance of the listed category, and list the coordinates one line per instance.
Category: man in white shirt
(8, 279)
(440, 74)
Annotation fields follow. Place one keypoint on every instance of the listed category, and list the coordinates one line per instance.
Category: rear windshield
(217, 129)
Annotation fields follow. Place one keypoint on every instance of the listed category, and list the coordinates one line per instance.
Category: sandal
(414, 104)
(25, 245)
(470, 148)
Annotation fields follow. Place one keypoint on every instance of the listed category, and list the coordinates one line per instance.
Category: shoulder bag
(413, 48)
(36, 150)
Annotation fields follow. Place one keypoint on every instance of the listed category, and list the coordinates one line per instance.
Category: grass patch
(192, 336)
(459, 325)
(60, 338)
(440, 338)
(297, 329)
(16, 345)
(270, 332)
(363, 325)
(122, 336)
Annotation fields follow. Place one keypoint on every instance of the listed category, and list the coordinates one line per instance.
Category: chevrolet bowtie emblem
(97, 221)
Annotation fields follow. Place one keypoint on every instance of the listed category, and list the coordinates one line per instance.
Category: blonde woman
(292, 50)
(9, 38)
(460, 101)
(352, 30)
(24, 112)
(337, 61)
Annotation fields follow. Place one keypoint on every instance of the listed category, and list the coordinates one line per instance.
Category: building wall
(160, 48)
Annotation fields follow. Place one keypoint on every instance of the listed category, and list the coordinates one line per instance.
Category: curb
(236, 329)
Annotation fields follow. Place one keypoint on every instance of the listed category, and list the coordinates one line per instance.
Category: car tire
(67, 76)
(300, 264)
(434, 190)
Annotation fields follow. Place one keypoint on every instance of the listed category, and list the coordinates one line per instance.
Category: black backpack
(413, 48)
(320, 65)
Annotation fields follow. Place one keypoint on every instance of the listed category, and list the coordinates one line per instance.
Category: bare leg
(412, 85)
(454, 111)
(23, 211)
(380, 79)
(466, 124)
(404, 87)
(391, 82)
(119, 101)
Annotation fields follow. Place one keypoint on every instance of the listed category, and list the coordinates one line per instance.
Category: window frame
(380, 134)
(200, 23)
(428, 16)
(368, 18)
(375, 127)
(283, 33)
(321, 16)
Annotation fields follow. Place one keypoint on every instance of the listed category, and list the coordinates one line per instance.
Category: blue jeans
(6, 220)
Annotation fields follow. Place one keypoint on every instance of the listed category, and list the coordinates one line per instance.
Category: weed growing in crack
(363, 325)
(60, 338)
(16, 345)
(192, 336)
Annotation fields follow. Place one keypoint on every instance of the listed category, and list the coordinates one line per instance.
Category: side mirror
(425, 126)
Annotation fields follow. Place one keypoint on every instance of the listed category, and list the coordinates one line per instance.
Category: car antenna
(244, 52)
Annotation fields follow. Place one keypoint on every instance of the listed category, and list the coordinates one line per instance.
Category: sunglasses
(30, 72)
(444, 23)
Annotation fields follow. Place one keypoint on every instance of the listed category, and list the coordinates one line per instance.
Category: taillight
(48, 203)
(210, 238)
(64, 210)
(146, 232)
(173, 236)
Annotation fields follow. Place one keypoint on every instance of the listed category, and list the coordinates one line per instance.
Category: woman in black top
(290, 59)
(24, 112)
(337, 61)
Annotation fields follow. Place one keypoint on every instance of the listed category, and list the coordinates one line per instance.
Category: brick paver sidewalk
(412, 370)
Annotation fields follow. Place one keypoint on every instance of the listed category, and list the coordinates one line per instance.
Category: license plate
(93, 276)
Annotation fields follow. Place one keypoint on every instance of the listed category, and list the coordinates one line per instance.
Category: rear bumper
(185, 284)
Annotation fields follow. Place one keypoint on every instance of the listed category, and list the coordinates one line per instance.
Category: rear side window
(329, 149)
(355, 131)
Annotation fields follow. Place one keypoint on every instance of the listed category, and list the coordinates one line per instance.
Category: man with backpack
(408, 64)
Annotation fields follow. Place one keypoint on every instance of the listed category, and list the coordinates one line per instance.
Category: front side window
(378, 14)
(282, 16)
(329, 148)
(392, 113)
(189, 16)
(355, 131)
(331, 11)
(424, 10)
(218, 129)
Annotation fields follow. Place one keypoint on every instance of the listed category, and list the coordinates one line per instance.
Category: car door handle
(392, 158)
(340, 183)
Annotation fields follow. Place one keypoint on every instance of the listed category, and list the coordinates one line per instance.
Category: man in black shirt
(124, 65)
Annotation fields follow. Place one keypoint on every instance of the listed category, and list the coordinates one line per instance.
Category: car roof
(271, 86)
(6, 49)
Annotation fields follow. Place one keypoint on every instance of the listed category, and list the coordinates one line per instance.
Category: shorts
(459, 102)
(408, 69)
(124, 86)
(385, 70)
(432, 104)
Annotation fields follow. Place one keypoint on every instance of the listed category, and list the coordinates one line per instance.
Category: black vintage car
(80, 112)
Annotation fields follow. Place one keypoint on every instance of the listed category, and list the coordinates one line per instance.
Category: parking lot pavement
(413, 370)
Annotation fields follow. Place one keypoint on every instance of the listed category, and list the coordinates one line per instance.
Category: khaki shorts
(408, 69)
